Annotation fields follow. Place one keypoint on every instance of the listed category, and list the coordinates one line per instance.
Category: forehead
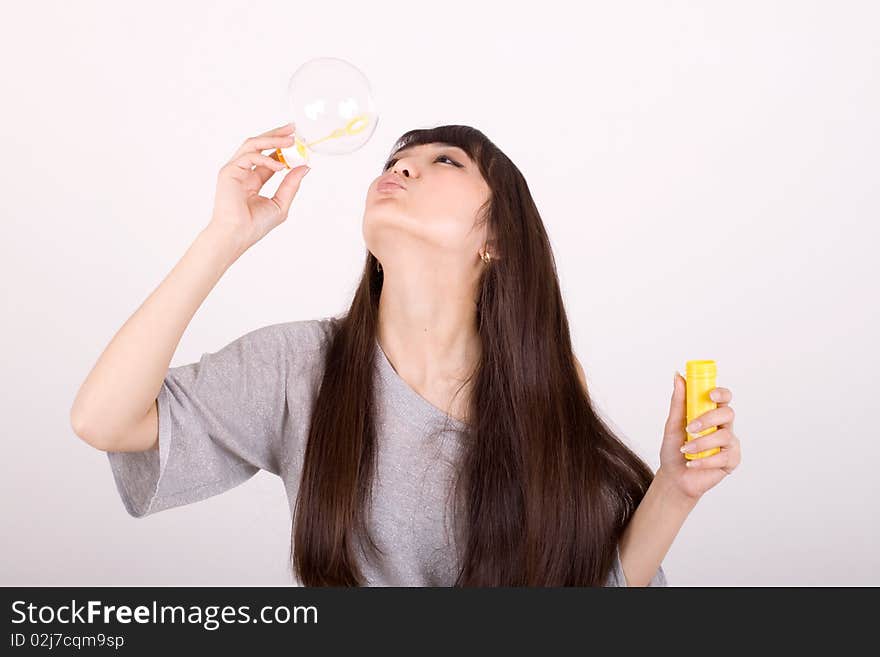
(434, 143)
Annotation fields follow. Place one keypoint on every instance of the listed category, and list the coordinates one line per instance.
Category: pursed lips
(389, 178)
(389, 184)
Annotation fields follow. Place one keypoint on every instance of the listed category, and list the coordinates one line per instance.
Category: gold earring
(486, 257)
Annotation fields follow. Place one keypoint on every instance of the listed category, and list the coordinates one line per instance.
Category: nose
(401, 169)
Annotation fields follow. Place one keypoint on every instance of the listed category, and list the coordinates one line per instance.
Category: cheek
(461, 207)
(452, 224)
(448, 212)
(458, 205)
(444, 217)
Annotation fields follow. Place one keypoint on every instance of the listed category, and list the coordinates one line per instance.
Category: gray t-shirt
(247, 407)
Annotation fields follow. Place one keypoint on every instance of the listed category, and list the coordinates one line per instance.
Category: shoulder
(293, 337)
(301, 344)
(284, 341)
(299, 335)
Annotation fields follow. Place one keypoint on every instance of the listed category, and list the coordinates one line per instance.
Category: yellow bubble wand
(351, 128)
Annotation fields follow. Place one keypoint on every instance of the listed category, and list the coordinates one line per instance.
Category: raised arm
(115, 407)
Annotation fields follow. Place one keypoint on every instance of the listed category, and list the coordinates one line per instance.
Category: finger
(288, 188)
(266, 172)
(719, 460)
(677, 406)
(721, 396)
(720, 438)
(262, 143)
(286, 129)
(717, 417)
(249, 160)
(735, 453)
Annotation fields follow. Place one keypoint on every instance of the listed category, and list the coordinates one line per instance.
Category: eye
(394, 159)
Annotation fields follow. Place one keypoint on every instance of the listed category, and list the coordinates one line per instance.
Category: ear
(581, 376)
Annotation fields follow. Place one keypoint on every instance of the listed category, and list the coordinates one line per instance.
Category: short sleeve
(617, 578)
(221, 420)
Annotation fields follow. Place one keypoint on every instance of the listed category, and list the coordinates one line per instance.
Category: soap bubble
(330, 102)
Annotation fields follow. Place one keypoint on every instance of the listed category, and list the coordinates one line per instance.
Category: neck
(427, 328)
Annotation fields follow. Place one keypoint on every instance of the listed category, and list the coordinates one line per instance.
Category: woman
(448, 390)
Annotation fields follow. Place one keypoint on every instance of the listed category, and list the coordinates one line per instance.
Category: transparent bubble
(330, 102)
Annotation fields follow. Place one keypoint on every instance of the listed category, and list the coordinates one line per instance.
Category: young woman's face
(437, 210)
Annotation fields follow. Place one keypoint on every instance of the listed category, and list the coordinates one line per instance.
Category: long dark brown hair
(547, 486)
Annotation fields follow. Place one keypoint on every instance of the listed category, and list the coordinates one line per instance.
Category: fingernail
(686, 449)
(692, 427)
(307, 171)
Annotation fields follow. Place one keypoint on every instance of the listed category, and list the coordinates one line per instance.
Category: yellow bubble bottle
(700, 381)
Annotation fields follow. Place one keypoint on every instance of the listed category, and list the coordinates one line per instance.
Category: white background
(707, 173)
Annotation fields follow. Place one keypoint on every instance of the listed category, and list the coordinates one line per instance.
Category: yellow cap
(702, 369)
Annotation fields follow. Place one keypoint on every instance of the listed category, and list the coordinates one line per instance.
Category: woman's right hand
(240, 213)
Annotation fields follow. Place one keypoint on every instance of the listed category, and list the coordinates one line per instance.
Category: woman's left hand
(694, 477)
